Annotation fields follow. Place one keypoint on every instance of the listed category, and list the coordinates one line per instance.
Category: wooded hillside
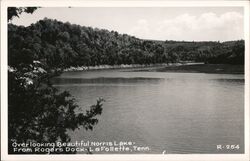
(59, 44)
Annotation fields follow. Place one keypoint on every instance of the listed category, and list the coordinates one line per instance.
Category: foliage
(15, 12)
(37, 111)
(63, 45)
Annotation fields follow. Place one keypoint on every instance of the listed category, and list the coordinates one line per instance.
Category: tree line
(62, 45)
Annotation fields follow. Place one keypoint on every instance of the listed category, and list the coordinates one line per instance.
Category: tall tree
(37, 111)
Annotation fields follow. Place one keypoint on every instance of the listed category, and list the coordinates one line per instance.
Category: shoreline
(181, 67)
(127, 66)
(205, 68)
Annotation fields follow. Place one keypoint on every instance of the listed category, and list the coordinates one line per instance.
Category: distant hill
(63, 45)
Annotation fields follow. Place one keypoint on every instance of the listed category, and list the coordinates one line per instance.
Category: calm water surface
(175, 112)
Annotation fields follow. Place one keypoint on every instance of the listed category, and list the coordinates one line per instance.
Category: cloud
(207, 26)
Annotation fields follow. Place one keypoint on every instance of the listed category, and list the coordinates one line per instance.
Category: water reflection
(176, 112)
(104, 80)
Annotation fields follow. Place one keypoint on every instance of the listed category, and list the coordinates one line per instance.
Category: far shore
(128, 66)
(201, 68)
(187, 67)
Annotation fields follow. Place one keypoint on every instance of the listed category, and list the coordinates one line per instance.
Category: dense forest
(62, 45)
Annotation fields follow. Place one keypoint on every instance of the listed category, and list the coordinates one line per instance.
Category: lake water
(172, 112)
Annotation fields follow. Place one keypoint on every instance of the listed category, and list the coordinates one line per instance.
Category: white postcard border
(103, 3)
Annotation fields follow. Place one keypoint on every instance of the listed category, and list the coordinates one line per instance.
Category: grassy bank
(205, 68)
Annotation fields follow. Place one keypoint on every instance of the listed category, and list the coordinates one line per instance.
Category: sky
(156, 23)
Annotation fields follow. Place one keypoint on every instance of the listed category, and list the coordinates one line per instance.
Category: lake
(173, 112)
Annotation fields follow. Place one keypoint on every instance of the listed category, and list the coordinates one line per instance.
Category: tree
(37, 111)
(15, 12)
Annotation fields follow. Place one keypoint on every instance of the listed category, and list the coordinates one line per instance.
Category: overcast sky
(166, 23)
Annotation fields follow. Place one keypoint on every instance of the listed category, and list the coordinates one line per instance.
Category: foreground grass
(205, 68)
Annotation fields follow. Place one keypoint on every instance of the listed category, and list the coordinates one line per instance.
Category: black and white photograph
(126, 80)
